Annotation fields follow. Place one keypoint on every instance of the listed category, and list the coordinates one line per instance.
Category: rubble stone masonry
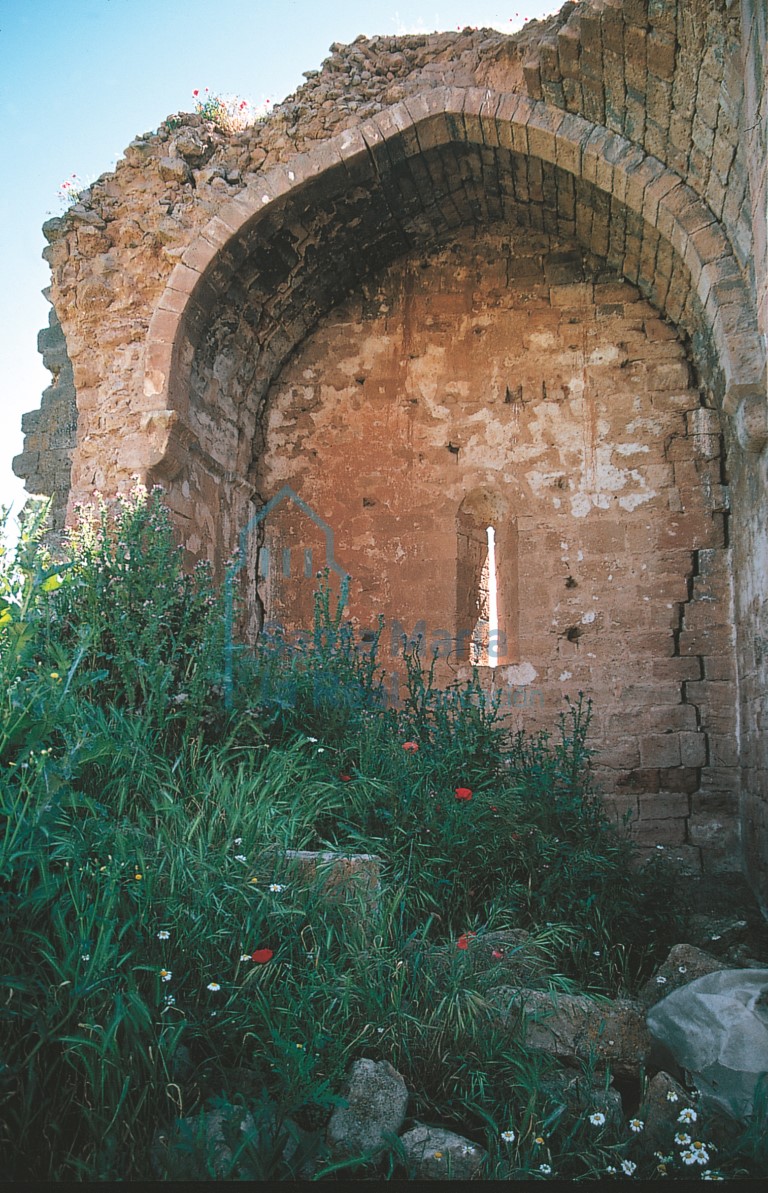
(457, 281)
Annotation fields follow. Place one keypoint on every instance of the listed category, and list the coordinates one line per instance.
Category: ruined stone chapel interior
(494, 310)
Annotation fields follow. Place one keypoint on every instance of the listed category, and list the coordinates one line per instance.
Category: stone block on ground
(375, 1102)
(436, 1154)
(717, 934)
(577, 1028)
(663, 1101)
(684, 964)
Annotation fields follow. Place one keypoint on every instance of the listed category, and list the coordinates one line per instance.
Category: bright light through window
(493, 602)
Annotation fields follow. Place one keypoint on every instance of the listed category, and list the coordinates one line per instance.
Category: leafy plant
(229, 114)
(31, 694)
(170, 972)
(71, 191)
(150, 633)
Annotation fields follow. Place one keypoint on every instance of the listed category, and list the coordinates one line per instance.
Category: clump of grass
(162, 961)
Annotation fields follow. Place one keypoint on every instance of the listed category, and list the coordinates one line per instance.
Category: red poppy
(497, 954)
(463, 793)
(411, 746)
(494, 808)
(262, 956)
(196, 91)
(463, 941)
(346, 778)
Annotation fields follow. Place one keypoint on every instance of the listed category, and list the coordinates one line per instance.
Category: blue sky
(80, 78)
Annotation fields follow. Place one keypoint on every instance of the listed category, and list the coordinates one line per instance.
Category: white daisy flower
(636, 1125)
(165, 975)
(628, 1167)
(277, 887)
(163, 935)
(597, 1119)
(214, 986)
(508, 1136)
(545, 1168)
(688, 1115)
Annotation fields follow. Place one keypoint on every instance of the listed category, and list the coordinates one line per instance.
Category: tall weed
(164, 964)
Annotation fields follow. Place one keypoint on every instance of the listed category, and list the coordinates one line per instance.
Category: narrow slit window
(492, 649)
(485, 634)
(487, 613)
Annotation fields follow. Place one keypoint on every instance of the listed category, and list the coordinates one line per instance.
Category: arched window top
(484, 507)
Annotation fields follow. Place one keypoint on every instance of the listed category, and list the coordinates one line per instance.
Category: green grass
(144, 824)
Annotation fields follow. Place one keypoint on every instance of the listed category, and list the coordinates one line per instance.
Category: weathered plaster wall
(186, 281)
(506, 363)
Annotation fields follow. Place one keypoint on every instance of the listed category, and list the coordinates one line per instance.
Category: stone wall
(505, 363)
(619, 139)
(749, 477)
(50, 433)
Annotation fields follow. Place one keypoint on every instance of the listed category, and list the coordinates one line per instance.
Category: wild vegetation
(159, 954)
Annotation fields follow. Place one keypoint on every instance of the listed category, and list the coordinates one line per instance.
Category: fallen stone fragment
(577, 1028)
(376, 1098)
(715, 934)
(436, 1154)
(663, 1101)
(683, 965)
